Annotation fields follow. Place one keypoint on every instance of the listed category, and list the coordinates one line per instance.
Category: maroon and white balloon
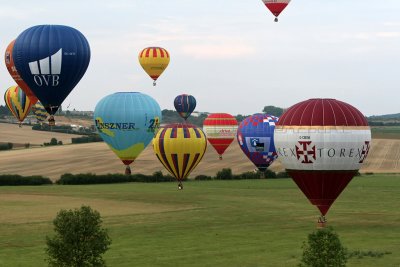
(322, 143)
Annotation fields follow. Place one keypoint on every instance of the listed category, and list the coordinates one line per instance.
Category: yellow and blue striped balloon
(127, 122)
(180, 148)
(18, 103)
(40, 112)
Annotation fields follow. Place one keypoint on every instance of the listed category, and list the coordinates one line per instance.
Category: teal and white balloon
(127, 122)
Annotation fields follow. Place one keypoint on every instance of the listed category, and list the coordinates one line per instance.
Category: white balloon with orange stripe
(154, 60)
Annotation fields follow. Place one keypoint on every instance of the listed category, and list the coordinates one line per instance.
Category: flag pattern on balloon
(322, 143)
(180, 148)
(154, 60)
(220, 129)
(17, 102)
(255, 136)
(185, 105)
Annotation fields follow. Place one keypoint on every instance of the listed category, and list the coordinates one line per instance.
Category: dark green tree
(53, 141)
(272, 110)
(323, 249)
(240, 117)
(4, 110)
(79, 241)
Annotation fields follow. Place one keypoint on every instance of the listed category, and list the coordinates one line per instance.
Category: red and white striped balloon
(322, 143)
(220, 129)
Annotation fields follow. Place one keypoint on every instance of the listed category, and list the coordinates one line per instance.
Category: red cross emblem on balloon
(305, 152)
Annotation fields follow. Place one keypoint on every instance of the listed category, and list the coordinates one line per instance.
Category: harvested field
(97, 158)
(14, 134)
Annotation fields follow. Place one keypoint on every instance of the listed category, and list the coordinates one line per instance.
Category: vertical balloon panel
(180, 148)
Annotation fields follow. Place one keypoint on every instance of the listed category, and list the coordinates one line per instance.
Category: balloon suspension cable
(276, 19)
(180, 185)
(128, 170)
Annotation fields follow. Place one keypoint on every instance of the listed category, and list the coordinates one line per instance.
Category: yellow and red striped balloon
(180, 148)
(18, 102)
(154, 60)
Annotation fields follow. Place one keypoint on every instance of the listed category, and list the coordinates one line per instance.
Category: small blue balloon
(185, 105)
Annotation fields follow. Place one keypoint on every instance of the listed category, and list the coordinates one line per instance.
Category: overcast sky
(230, 55)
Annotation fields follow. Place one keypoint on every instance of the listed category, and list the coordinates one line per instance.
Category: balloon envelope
(180, 147)
(220, 129)
(276, 6)
(255, 136)
(51, 59)
(40, 112)
(154, 60)
(127, 122)
(18, 102)
(185, 105)
(322, 144)
(9, 60)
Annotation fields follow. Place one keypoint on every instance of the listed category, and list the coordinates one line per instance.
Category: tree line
(171, 116)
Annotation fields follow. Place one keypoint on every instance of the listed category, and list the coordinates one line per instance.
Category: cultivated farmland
(384, 157)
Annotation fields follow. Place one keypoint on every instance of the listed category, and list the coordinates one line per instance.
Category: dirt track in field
(384, 157)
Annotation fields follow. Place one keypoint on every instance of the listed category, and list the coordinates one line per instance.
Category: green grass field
(245, 223)
(385, 132)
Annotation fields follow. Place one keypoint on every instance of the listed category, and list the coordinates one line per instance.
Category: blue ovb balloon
(51, 59)
(127, 122)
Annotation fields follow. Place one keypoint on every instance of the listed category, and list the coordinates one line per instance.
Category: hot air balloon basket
(128, 170)
(52, 121)
(321, 222)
